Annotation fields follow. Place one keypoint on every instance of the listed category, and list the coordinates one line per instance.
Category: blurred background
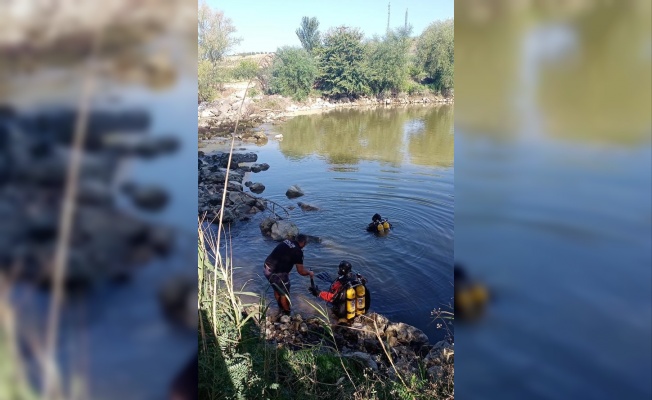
(97, 202)
(553, 197)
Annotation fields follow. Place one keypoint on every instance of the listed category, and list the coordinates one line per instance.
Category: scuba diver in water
(378, 224)
(471, 297)
(348, 293)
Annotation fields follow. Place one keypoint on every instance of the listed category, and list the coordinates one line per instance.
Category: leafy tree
(293, 73)
(389, 61)
(435, 54)
(246, 69)
(308, 33)
(342, 67)
(210, 78)
(215, 33)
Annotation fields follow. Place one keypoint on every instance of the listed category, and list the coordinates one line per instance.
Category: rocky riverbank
(388, 349)
(107, 241)
(217, 118)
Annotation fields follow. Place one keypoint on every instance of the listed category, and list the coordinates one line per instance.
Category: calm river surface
(352, 164)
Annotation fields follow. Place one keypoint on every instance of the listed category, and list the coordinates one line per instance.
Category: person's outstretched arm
(304, 272)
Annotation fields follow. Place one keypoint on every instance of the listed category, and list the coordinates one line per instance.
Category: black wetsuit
(279, 263)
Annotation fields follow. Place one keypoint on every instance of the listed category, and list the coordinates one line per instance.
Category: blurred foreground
(97, 276)
(553, 197)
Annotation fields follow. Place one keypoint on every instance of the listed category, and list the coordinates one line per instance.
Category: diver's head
(344, 268)
(376, 218)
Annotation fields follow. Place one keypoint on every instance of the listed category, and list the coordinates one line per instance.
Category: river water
(397, 162)
(553, 204)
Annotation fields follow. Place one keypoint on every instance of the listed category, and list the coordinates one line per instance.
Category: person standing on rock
(278, 265)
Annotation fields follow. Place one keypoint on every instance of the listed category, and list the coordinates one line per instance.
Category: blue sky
(266, 25)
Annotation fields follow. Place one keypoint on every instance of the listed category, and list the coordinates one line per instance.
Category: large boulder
(266, 226)
(257, 187)
(294, 191)
(441, 353)
(284, 229)
(406, 334)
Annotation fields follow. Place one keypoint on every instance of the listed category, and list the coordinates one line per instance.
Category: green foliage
(388, 62)
(435, 54)
(293, 73)
(209, 80)
(214, 33)
(308, 33)
(342, 67)
(413, 88)
(245, 70)
(253, 92)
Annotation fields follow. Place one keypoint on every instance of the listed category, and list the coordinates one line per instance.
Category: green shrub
(245, 70)
(342, 67)
(388, 62)
(253, 92)
(208, 80)
(293, 73)
(436, 55)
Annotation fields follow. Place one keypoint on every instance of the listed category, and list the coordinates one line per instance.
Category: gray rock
(407, 334)
(257, 188)
(155, 146)
(435, 372)
(442, 352)
(307, 207)
(266, 226)
(176, 299)
(264, 166)
(241, 198)
(293, 192)
(148, 197)
(260, 204)
(284, 229)
(365, 358)
(284, 319)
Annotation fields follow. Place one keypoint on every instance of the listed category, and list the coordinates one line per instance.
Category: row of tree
(342, 63)
(339, 63)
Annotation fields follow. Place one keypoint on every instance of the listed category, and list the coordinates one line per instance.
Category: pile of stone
(106, 241)
(239, 205)
(368, 340)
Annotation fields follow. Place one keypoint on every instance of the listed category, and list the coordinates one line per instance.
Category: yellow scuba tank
(386, 225)
(380, 227)
(360, 305)
(479, 294)
(350, 303)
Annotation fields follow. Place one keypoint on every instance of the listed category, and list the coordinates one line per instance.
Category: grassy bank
(236, 362)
